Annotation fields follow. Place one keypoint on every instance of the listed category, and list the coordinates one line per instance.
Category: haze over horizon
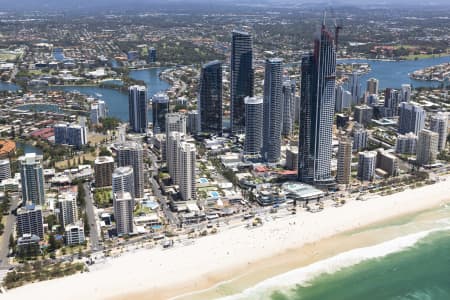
(148, 4)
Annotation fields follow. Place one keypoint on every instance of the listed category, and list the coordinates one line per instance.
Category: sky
(75, 4)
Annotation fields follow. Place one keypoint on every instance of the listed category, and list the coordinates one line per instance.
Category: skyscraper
(73, 134)
(439, 124)
(360, 136)
(160, 107)
(123, 212)
(412, 118)
(68, 211)
(123, 180)
(210, 98)
(186, 170)
(273, 110)
(363, 114)
(137, 108)
(175, 122)
(317, 109)
(32, 178)
(367, 161)
(5, 169)
(372, 86)
(406, 93)
(103, 169)
(288, 107)
(392, 99)
(343, 99)
(406, 143)
(344, 161)
(253, 126)
(354, 88)
(30, 221)
(132, 154)
(427, 147)
(242, 77)
(173, 140)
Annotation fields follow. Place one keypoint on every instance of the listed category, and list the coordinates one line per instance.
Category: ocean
(415, 265)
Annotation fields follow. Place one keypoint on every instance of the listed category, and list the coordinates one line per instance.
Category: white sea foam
(330, 265)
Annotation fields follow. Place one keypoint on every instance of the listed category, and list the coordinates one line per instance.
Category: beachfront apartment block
(427, 147)
(344, 161)
(366, 165)
(439, 124)
(74, 234)
(123, 212)
(30, 221)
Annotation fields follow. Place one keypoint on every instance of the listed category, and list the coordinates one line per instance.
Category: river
(392, 74)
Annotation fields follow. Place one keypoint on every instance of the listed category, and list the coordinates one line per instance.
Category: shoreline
(182, 270)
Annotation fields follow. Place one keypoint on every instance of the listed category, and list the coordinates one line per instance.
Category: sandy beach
(278, 245)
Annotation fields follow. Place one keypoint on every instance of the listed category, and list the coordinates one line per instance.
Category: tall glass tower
(160, 107)
(241, 77)
(210, 98)
(137, 108)
(317, 109)
(273, 110)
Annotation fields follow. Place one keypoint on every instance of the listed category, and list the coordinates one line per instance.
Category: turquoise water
(414, 264)
(421, 272)
(392, 74)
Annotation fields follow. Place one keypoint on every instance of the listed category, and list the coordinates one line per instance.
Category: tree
(51, 220)
(12, 242)
(105, 152)
(81, 195)
(53, 244)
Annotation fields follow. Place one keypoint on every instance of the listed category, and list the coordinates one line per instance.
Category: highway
(94, 230)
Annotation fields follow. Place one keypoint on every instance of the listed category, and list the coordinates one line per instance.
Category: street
(94, 236)
(4, 243)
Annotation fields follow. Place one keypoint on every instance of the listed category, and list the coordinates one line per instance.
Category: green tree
(105, 152)
(51, 220)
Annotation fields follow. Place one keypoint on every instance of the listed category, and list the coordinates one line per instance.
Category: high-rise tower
(210, 98)
(242, 76)
(160, 107)
(137, 108)
(317, 109)
(253, 126)
(132, 154)
(273, 110)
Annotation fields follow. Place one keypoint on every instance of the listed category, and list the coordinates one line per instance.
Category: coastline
(254, 255)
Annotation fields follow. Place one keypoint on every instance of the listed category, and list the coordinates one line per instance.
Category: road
(94, 236)
(162, 200)
(173, 220)
(9, 227)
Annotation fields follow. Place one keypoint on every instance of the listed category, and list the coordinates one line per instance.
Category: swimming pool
(214, 194)
(203, 180)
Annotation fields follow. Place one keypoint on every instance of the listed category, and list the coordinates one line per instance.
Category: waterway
(117, 101)
(7, 86)
(392, 74)
(27, 148)
(389, 73)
